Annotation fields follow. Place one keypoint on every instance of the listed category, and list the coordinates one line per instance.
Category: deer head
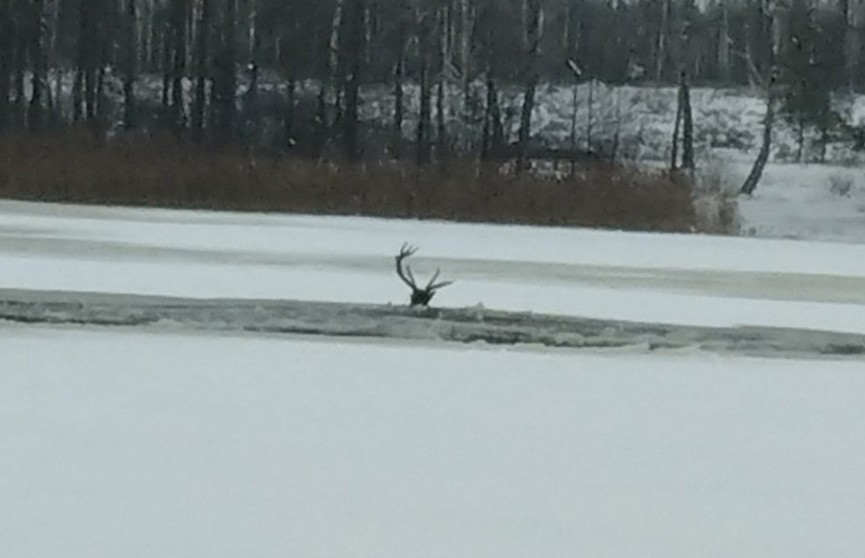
(419, 296)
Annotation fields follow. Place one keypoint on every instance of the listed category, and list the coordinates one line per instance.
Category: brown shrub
(74, 166)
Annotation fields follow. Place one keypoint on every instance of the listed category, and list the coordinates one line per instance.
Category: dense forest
(200, 50)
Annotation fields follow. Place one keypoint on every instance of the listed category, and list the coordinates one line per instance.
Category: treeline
(202, 49)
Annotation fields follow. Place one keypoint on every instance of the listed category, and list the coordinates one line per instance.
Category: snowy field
(142, 445)
(125, 442)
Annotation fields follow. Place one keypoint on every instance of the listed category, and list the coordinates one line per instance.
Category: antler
(433, 286)
(407, 276)
(419, 297)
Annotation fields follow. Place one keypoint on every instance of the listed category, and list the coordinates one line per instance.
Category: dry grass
(75, 167)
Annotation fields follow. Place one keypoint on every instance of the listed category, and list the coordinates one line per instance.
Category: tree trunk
(674, 151)
(334, 58)
(399, 103)
(486, 131)
(441, 117)
(21, 48)
(824, 142)
(590, 115)
(288, 121)
(353, 61)
(35, 112)
(498, 127)
(424, 121)
(202, 69)
(753, 179)
(253, 40)
(106, 22)
(251, 103)
(88, 52)
(130, 30)
(6, 42)
(724, 44)
(663, 31)
(533, 36)
(78, 95)
(687, 126)
(441, 120)
(574, 107)
(768, 84)
(800, 139)
(465, 50)
(166, 71)
(54, 71)
(180, 9)
(148, 37)
(321, 120)
(493, 132)
(614, 151)
(225, 88)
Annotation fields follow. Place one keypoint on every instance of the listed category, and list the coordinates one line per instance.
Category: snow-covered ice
(179, 444)
(139, 445)
(682, 279)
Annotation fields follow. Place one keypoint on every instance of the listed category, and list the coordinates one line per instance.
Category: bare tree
(225, 86)
(424, 121)
(724, 41)
(534, 22)
(767, 84)
(202, 70)
(756, 173)
(31, 25)
(590, 114)
(399, 93)
(106, 23)
(444, 58)
(251, 102)
(420, 296)
(130, 30)
(465, 48)
(54, 73)
(663, 38)
(575, 103)
(493, 130)
(6, 47)
(684, 118)
(167, 45)
(179, 16)
(353, 59)
(674, 151)
(89, 42)
(687, 125)
(21, 37)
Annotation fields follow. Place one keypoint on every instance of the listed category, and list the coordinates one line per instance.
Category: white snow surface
(814, 202)
(683, 279)
(117, 443)
(141, 443)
